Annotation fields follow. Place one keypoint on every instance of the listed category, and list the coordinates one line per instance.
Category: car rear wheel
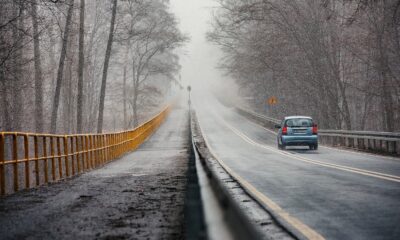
(314, 147)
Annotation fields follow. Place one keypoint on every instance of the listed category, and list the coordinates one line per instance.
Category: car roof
(291, 117)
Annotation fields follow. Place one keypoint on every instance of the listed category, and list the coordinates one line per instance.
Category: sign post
(271, 102)
(189, 88)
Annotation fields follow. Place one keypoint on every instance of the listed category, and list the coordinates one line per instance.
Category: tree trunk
(53, 75)
(17, 96)
(387, 100)
(105, 68)
(135, 115)
(38, 72)
(124, 97)
(60, 72)
(81, 66)
(6, 113)
(135, 83)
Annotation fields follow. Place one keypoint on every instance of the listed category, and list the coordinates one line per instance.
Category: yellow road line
(305, 230)
(320, 163)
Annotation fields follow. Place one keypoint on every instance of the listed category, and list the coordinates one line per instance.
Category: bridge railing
(388, 142)
(29, 159)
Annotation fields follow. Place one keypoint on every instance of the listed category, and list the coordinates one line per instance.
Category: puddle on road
(122, 175)
(139, 174)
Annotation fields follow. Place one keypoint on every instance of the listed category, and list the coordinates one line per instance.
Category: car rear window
(299, 122)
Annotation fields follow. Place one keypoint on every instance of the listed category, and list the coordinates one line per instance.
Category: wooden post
(15, 159)
(73, 157)
(88, 157)
(66, 159)
(35, 142)
(60, 169)
(2, 167)
(84, 156)
(78, 156)
(26, 148)
(53, 160)
(46, 177)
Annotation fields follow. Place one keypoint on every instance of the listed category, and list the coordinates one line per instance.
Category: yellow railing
(47, 157)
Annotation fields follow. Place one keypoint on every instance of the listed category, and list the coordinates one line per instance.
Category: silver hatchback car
(297, 131)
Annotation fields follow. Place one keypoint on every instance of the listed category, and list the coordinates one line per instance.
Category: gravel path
(140, 196)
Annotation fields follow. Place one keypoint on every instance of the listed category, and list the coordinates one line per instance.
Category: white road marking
(302, 228)
(333, 148)
(315, 162)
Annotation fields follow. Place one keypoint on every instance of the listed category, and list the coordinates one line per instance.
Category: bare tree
(38, 71)
(105, 68)
(319, 57)
(61, 68)
(81, 66)
(72, 89)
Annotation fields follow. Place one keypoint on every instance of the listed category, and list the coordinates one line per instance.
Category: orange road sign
(272, 101)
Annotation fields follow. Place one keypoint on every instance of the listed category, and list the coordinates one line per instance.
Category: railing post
(35, 142)
(84, 156)
(107, 147)
(53, 160)
(26, 148)
(46, 177)
(96, 151)
(391, 147)
(103, 152)
(114, 146)
(117, 136)
(377, 145)
(92, 156)
(98, 160)
(78, 156)
(66, 156)
(125, 142)
(15, 159)
(89, 159)
(60, 168)
(72, 155)
(2, 167)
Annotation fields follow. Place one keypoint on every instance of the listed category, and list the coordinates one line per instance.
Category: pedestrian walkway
(139, 196)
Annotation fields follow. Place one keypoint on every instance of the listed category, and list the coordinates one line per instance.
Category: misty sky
(200, 57)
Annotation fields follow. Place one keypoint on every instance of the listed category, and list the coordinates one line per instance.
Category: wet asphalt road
(336, 203)
(140, 196)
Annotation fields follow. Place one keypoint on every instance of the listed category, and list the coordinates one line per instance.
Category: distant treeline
(336, 60)
(65, 65)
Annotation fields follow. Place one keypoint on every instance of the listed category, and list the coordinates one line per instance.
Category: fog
(199, 58)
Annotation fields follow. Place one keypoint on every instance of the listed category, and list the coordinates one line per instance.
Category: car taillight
(284, 130)
(315, 129)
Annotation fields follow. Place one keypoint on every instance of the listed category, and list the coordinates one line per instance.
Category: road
(140, 196)
(336, 194)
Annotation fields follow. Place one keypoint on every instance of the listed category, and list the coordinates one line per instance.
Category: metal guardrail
(365, 140)
(234, 219)
(44, 158)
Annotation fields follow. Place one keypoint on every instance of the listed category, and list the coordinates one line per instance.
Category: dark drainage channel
(194, 216)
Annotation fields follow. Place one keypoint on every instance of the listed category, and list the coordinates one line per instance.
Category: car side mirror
(277, 126)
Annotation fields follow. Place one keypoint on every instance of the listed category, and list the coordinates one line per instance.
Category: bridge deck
(140, 195)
